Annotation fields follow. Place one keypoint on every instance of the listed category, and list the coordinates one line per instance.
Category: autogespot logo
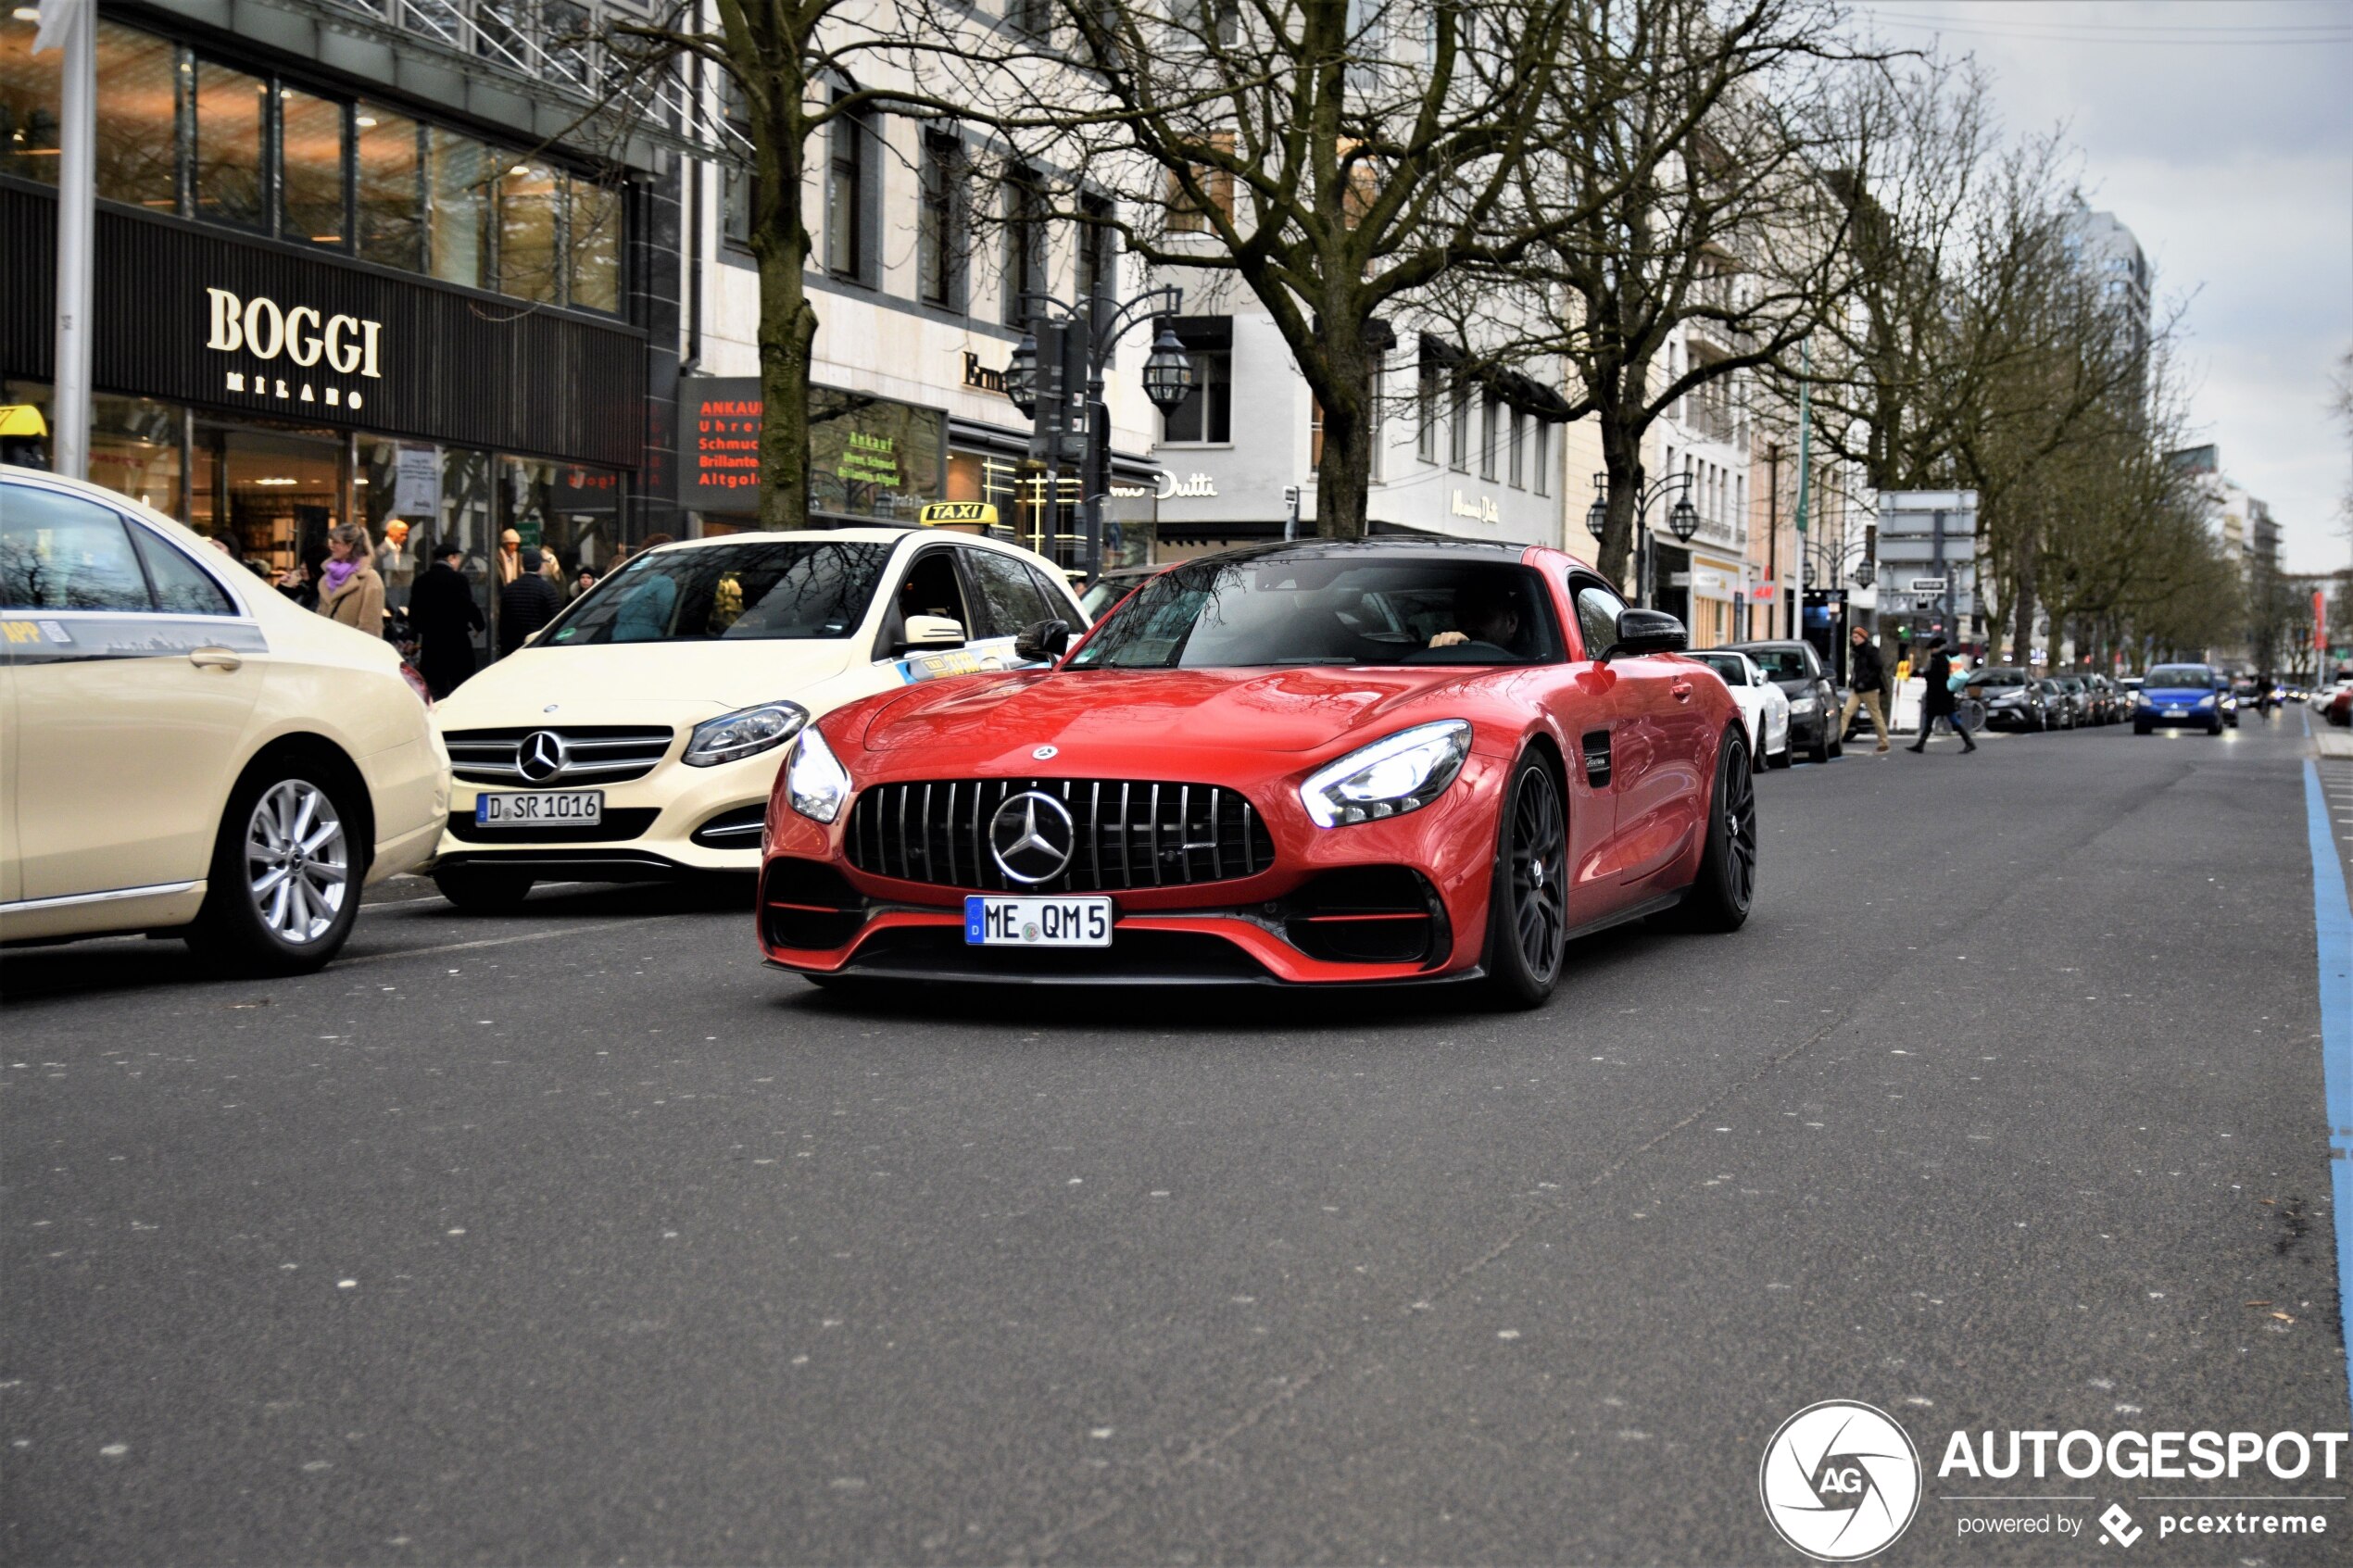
(1840, 1481)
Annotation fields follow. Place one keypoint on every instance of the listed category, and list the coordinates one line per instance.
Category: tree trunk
(1344, 469)
(780, 243)
(2023, 617)
(1622, 460)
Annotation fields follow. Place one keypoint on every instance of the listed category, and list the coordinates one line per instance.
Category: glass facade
(311, 156)
(227, 150)
(139, 84)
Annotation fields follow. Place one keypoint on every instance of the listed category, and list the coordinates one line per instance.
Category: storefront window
(595, 246)
(529, 239)
(311, 135)
(569, 510)
(269, 491)
(1207, 412)
(138, 119)
(29, 90)
(457, 169)
(135, 450)
(391, 199)
(227, 161)
(869, 457)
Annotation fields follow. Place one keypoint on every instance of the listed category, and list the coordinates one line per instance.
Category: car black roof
(1390, 546)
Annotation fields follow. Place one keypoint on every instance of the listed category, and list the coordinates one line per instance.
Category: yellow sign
(959, 512)
(22, 419)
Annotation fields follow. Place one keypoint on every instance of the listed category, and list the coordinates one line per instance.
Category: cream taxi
(637, 735)
(184, 749)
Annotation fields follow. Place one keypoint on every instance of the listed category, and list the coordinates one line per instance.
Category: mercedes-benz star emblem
(539, 756)
(1045, 753)
(1031, 838)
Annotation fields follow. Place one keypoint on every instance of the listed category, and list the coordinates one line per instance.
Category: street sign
(1928, 584)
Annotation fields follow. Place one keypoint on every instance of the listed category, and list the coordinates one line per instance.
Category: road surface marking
(495, 941)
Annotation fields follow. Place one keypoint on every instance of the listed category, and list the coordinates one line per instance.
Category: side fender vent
(1596, 745)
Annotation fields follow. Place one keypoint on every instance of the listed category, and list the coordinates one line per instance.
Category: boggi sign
(258, 327)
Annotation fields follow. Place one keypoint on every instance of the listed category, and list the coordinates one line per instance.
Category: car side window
(931, 586)
(1597, 612)
(61, 552)
(182, 586)
(1009, 595)
(1057, 600)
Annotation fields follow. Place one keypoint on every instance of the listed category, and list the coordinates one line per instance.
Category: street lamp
(1065, 342)
(1683, 521)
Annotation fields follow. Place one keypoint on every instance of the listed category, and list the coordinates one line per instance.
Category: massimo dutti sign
(192, 314)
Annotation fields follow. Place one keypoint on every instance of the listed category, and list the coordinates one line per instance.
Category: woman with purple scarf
(350, 589)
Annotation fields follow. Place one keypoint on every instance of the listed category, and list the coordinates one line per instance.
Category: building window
(1490, 430)
(1426, 411)
(1314, 433)
(1033, 17)
(1540, 442)
(389, 187)
(229, 161)
(458, 179)
(846, 198)
(530, 236)
(939, 240)
(1025, 266)
(1188, 216)
(1519, 437)
(310, 164)
(1207, 412)
(138, 119)
(592, 246)
(29, 101)
(1458, 429)
(1097, 274)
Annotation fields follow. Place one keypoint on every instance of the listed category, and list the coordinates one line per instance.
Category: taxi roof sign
(22, 420)
(981, 512)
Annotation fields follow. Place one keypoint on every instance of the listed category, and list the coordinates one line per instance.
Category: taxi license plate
(1037, 922)
(547, 808)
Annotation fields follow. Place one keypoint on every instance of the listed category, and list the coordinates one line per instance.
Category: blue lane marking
(2332, 928)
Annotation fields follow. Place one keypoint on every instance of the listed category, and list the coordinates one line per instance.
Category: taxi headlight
(815, 778)
(745, 733)
(1403, 773)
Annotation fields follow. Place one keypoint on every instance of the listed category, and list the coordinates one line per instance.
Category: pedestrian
(583, 580)
(442, 610)
(1936, 702)
(350, 588)
(1867, 684)
(644, 616)
(526, 604)
(510, 560)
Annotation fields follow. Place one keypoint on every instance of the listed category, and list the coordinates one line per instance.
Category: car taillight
(416, 682)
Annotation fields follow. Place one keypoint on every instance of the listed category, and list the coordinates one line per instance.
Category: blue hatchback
(2180, 697)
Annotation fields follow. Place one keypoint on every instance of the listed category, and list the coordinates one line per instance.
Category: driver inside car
(1485, 616)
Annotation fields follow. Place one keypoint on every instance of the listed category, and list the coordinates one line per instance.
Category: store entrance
(270, 494)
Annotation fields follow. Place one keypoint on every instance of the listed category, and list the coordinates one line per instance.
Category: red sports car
(1312, 763)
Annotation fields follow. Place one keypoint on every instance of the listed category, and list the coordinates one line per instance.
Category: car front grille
(594, 753)
(1128, 833)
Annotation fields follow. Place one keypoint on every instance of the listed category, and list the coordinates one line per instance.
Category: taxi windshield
(1328, 609)
(767, 591)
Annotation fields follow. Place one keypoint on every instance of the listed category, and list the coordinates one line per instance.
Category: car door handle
(214, 659)
(1682, 690)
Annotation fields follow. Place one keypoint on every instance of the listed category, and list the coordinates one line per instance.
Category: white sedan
(1762, 703)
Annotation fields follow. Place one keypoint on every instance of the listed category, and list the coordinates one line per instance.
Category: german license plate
(1037, 922)
(545, 808)
(2177, 713)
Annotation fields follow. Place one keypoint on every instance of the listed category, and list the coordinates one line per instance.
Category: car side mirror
(1646, 631)
(931, 631)
(1043, 641)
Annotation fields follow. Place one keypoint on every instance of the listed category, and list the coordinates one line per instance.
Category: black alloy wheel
(1719, 897)
(1528, 915)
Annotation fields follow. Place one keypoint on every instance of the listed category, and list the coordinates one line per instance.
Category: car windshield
(1728, 665)
(2180, 675)
(1780, 664)
(1338, 608)
(1999, 675)
(765, 591)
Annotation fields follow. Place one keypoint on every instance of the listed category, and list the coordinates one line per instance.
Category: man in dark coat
(1867, 683)
(1937, 701)
(442, 614)
(526, 604)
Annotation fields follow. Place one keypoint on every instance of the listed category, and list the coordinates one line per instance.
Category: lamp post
(1683, 521)
(1055, 376)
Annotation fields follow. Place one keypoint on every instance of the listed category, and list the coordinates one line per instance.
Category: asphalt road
(577, 1236)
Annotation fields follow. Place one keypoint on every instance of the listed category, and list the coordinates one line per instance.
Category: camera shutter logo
(1840, 1481)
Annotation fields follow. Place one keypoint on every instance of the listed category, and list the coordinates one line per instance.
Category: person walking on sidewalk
(443, 611)
(526, 604)
(1867, 684)
(1937, 701)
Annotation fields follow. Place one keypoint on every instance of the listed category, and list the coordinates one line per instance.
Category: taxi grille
(1128, 833)
(594, 753)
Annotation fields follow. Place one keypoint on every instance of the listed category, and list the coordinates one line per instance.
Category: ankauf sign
(868, 456)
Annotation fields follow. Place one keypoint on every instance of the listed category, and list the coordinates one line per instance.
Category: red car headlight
(1399, 773)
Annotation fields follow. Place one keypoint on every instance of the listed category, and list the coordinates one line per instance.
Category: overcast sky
(2220, 132)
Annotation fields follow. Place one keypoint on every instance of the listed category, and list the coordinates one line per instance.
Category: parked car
(2105, 698)
(2180, 697)
(1814, 706)
(1762, 704)
(2080, 700)
(2013, 699)
(2060, 711)
(1312, 763)
(189, 751)
(2338, 709)
(637, 735)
